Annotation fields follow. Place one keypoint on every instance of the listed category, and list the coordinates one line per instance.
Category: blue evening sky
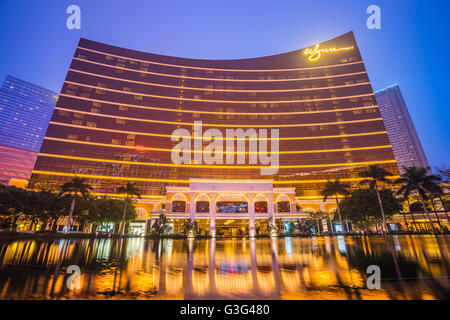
(411, 49)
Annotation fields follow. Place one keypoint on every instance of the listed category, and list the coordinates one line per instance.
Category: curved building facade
(118, 110)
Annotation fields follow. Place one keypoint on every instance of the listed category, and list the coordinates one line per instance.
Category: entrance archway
(232, 203)
(179, 203)
(283, 203)
(261, 203)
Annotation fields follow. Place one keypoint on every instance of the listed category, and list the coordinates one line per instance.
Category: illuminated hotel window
(110, 58)
(77, 122)
(128, 89)
(138, 97)
(63, 113)
(95, 110)
(129, 143)
(131, 136)
(261, 206)
(120, 121)
(78, 115)
(72, 86)
(178, 206)
(98, 91)
(72, 136)
(202, 206)
(91, 124)
(123, 108)
(116, 141)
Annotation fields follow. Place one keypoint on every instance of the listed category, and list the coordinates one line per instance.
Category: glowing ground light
(315, 53)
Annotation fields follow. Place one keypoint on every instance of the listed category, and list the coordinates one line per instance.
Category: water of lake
(412, 267)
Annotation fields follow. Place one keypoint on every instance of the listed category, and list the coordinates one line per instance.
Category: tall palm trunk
(122, 224)
(445, 208)
(412, 215)
(404, 219)
(339, 213)
(427, 214)
(384, 226)
(436, 214)
(72, 207)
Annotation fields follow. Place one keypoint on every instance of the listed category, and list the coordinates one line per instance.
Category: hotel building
(25, 111)
(402, 134)
(118, 109)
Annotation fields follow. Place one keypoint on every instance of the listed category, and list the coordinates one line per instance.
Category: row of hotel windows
(310, 106)
(129, 140)
(218, 74)
(208, 89)
(93, 124)
(86, 93)
(78, 118)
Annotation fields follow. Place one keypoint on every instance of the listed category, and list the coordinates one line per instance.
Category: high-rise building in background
(25, 111)
(402, 134)
(118, 109)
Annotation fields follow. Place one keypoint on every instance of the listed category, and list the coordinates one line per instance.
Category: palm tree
(190, 227)
(75, 187)
(442, 186)
(418, 180)
(131, 191)
(334, 188)
(375, 174)
(317, 216)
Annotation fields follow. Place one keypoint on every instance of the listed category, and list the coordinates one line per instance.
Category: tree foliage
(361, 207)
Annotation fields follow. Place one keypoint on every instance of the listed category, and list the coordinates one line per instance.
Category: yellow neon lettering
(315, 53)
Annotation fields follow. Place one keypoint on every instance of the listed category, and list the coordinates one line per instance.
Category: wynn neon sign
(315, 53)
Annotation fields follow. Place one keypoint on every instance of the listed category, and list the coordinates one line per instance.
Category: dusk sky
(411, 49)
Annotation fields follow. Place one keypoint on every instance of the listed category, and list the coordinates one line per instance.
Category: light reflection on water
(412, 267)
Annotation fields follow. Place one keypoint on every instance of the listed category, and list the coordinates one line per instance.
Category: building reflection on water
(412, 267)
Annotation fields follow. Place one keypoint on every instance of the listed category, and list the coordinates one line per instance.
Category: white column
(212, 215)
(293, 207)
(192, 207)
(251, 214)
(271, 214)
(325, 225)
(322, 206)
